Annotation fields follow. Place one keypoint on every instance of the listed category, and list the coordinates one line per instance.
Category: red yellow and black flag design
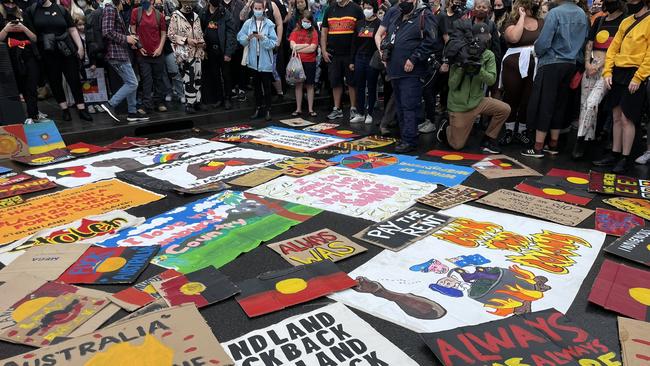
(623, 289)
(456, 156)
(554, 192)
(566, 178)
(203, 287)
(276, 290)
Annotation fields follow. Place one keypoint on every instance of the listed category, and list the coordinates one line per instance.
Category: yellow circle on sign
(602, 36)
(29, 307)
(110, 264)
(80, 150)
(452, 157)
(291, 286)
(641, 295)
(192, 288)
(43, 159)
(577, 180)
(553, 191)
(345, 132)
(505, 165)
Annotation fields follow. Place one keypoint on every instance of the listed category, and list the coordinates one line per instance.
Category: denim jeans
(151, 76)
(408, 105)
(129, 88)
(365, 75)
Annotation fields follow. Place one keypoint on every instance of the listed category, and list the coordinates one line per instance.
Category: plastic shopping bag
(295, 71)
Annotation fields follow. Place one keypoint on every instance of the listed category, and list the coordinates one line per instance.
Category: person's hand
(157, 52)
(591, 69)
(444, 68)
(351, 67)
(522, 12)
(80, 53)
(408, 66)
(327, 57)
(131, 39)
(191, 42)
(227, 58)
(93, 68)
(143, 52)
(608, 82)
(633, 87)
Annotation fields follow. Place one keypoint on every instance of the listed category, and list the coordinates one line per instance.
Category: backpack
(460, 37)
(94, 37)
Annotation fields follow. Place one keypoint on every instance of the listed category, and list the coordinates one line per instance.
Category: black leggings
(516, 91)
(548, 101)
(262, 83)
(27, 70)
(56, 65)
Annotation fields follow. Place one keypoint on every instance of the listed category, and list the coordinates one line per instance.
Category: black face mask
(635, 8)
(535, 8)
(498, 13)
(11, 11)
(214, 3)
(406, 7)
(611, 7)
(458, 9)
(159, 7)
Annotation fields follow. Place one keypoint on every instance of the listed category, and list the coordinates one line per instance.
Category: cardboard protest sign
(456, 156)
(125, 142)
(635, 341)
(370, 142)
(147, 309)
(233, 129)
(405, 167)
(636, 206)
(66, 206)
(213, 230)
(202, 288)
(13, 178)
(15, 286)
(175, 336)
(11, 201)
(47, 262)
(622, 289)
(276, 290)
(619, 185)
(82, 149)
(34, 185)
(58, 318)
(206, 188)
(339, 133)
(348, 192)
(478, 268)
(569, 179)
(296, 122)
(109, 265)
(4, 170)
(451, 197)
(43, 137)
(541, 338)
(89, 230)
(362, 343)
(562, 213)
(553, 192)
(320, 126)
(46, 158)
(153, 142)
(233, 137)
(13, 141)
(256, 177)
(318, 246)
(634, 245)
(615, 222)
(301, 166)
(142, 293)
(94, 86)
(94, 168)
(401, 230)
(502, 166)
(288, 139)
(207, 168)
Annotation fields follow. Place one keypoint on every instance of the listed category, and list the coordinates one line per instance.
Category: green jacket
(467, 91)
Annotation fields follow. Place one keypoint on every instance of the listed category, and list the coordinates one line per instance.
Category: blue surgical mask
(306, 25)
(145, 4)
(258, 13)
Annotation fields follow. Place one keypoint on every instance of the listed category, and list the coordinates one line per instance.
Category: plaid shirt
(114, 31)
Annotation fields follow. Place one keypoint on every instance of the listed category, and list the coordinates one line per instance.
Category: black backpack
(94, 37)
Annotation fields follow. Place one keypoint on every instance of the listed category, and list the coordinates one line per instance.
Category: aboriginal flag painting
(622, 289)
(456, 156)
(276, 290)
(569, 179)
(369, 161)
(82, 148)
(202, 288)
(555, 192)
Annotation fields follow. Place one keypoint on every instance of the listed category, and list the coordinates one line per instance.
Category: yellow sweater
(634, 52)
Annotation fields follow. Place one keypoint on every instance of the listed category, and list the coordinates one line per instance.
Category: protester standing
(362, 50)
(304, 40)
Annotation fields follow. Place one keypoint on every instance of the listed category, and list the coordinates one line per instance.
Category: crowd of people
(536, 67)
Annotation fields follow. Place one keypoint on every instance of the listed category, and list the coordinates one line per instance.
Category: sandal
(313, 114)
(296, 113)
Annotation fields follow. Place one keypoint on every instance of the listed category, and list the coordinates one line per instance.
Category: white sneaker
(41, 115)
(182, 100)
(168, 98)
(426, 127)
(643, 159)
(91, 109)
(356, 118)
(368, 120)
(28, 121)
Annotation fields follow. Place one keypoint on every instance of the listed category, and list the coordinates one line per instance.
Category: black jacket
(225, 28)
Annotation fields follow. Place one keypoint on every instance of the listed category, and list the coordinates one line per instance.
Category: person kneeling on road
(468, 80)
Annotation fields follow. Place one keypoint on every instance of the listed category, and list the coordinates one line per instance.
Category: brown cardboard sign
(503, 166)
(320, 245)
(256, 177)
(555, 211)
(451, 197)
(15, 286)
(635, 341)
(296, 122)
(174, 336)
(47, 261)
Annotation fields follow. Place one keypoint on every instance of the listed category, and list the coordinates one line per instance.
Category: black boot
(607, 160)
(578, 149)
(267, 115)
(623, 165)
(227, 105)
(258, 113)
(65, 114)
(83, 114)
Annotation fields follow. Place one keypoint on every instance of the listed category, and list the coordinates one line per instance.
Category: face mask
(146, 4)
(186, 8)
(258, 13)
(611, 7)
(159, 7)
(480, 14)
(406, 7)
(498, 13)
(635, 8)
(458, 9)
(82, 4)
(340, 2)
(535, 8)
(306, 25)
(11, 11)
(368, 13)
(214, 3)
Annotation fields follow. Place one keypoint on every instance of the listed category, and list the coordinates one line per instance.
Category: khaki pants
(461, 123)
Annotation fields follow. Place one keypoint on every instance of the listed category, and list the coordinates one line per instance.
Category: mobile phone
(254, 32)
(14, 22)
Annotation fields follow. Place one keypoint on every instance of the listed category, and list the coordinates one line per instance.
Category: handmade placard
(276, 290)
(635, 341)
(348, 192)
(320, 126)
(233, 129)
(363, 344)
(47, 262)
(288, 139)
(58, 318)
(541, 338)
(405, 167)
(43, 137)
(318, 246)
(403, 229)
(618, 185)
(149, 308)
(34, 185)
(340, 133)
(213, 230)
(142, 293)
(13, 141)
(456, 156)
(82, 149)
(256, 177)
(202, 288)
(14, 287)
(66, 206)
(478, 268)
(13, 178)
(451, 197)
(94, 168)
(503, 166)
(109, 265)
(555, 192)
(46, 158)
(93, 86)
(634, 245)
(371, 142)
(206, 188)
(125, 142)
(616, 223)
(4, 170)
(562, 213)
(569, 179)
(11, 201)
(233, 137)
(296, 122)
(301, 166)
(636, 206)
(175, 336)
(153, 142)
(622, 289)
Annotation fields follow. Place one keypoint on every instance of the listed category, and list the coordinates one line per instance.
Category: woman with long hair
(304, 40)
(522, 29)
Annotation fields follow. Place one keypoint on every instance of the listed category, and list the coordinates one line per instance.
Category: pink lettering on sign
(347, 190)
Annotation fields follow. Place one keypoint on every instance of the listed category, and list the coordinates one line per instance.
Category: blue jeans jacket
(563, 36)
